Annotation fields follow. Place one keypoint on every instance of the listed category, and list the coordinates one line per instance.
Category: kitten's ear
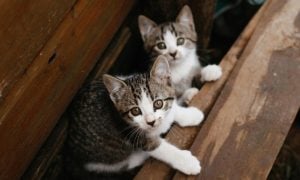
(112, 84)
(185, 17)
(160, 70)
(146, 25)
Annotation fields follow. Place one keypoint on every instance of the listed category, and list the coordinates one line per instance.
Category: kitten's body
(108, 135)
(177, 41)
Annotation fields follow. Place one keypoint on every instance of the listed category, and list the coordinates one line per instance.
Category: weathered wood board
(25, 27)
(204, 100)
(251, 118)
(52, 73)
(53, 146)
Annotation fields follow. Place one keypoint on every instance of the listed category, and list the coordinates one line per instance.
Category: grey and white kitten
(116, 125)
(177, 41)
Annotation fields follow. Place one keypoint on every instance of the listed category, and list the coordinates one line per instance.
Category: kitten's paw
(191, 117)
(211, 73)
(189, 94)
(187, 163)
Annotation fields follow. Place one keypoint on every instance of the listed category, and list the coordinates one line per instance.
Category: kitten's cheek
(158, 122)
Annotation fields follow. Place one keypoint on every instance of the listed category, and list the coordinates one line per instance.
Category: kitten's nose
(151, 123)
(173, 54)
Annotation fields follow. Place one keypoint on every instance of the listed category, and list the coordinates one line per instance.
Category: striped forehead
(145, 103)
(165, 28)
(170, 39)
(139, 85)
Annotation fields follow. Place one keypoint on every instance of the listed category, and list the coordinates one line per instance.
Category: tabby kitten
(116, 125)
(177, 41)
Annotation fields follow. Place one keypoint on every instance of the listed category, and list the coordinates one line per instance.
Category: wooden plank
(25, 28)
(48, 152)
(35, 103)
(112, 53)
(204, 100)
(54, 143)
(250, 120)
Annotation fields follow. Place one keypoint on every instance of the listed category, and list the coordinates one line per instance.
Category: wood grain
(25, 28)
(37, 100)
(250, 120)
(204, 100)
(48, 153)
(51, 149)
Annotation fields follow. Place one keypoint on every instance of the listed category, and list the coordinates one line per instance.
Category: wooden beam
(52, 148)
(37, 100)
(48, 153)
(26, 26)
(250, 120)
(204, 100)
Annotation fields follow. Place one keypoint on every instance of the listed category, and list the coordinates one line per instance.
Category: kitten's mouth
(152, 127)
(174, 60)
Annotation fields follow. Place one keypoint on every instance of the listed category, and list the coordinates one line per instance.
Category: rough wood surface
(251, 118)
(112, 53)
(204, 100)
(54, 144)
(32, 106)
(25, 27)
(48, 153)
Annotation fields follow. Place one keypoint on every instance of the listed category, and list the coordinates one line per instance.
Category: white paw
(192, 117)
(189, 94)
(187, 163)
(211, 73)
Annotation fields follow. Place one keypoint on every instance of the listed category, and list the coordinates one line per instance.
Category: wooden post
(250, 120)
(50, 72)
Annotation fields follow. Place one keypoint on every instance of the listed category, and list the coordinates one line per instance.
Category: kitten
(177, 41)
(116, 125)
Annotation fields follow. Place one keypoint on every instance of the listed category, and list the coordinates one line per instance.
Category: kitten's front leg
(188, 95)
(182, 160)
(188, 116)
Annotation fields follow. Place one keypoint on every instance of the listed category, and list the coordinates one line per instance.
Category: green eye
(135, 111)
(161, 45)
(158, 104)
(180, 41)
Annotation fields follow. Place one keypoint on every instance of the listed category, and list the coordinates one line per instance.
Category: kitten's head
(143, 100)
(175, 40)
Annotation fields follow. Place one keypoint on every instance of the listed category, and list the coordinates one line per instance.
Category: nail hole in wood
(52, 58)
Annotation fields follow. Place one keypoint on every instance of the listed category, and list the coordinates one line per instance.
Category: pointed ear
(185, 17)
(112, 84)
(146, 25)
(160, 70)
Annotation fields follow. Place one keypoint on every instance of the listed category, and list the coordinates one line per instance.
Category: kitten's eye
(161, 45)
(135, 111)
(158, 104)
(180, 41)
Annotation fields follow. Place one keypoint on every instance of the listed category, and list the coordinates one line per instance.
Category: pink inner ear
(185, 17)
(146, 25)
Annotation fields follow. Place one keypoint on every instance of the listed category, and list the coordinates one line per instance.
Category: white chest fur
(183, 72)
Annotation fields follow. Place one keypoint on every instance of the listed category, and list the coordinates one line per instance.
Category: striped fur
(103, 134)
(177, 42)
(182, 57)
